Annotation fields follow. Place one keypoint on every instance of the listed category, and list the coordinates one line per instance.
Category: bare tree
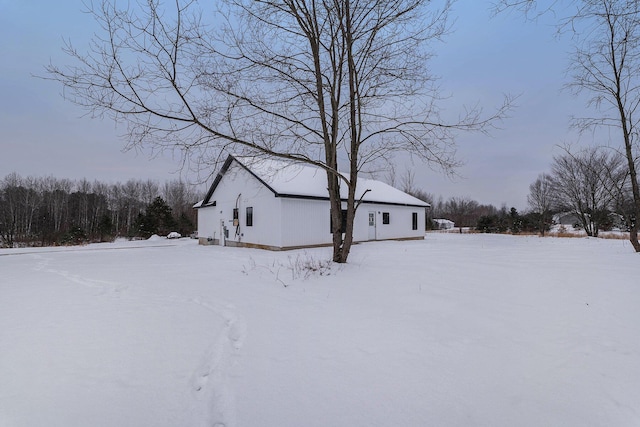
(582, 185)
(408, 185)
(56, 196)
(618, 184)
(180, 197)
(437, 207)
(462, 211)
(149, 190)
(321, 82)
(540, 199)
(133, 204)
(605, 65)
(116, 203)
(43, 211)
(10, 209)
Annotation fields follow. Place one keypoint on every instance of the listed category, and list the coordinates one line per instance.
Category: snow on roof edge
(300, 179)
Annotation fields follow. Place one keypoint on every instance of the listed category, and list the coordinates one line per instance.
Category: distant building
(444, 224)
(276, 204)
(566, 218)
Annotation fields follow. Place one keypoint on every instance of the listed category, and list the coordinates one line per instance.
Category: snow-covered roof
(290, 179)
(443, 221)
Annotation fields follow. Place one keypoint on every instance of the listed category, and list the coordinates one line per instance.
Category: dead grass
(613, 235)
(566, 234)
(602, 235)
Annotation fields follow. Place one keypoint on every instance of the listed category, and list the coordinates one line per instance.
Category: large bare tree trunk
(633, 232)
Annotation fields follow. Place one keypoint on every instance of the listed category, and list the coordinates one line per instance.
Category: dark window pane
(385, 217)
(249, 220)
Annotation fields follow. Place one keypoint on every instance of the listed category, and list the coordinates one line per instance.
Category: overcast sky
(484, 58)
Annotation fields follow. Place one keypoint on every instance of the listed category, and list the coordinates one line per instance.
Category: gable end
(225, 167)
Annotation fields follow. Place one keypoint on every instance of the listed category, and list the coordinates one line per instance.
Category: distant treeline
(48, 211)
(589, 189)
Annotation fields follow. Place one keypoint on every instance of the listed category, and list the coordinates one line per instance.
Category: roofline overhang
(302, 196)
(227, 163)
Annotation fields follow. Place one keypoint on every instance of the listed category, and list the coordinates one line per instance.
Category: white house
(276, 204)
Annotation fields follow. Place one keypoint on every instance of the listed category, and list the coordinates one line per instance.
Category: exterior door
(372, 225)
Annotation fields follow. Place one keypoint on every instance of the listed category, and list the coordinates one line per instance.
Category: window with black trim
(414, 220)
(385, 217)
(249, 219)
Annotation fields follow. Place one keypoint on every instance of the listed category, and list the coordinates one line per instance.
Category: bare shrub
(303, 266)
(306, 266)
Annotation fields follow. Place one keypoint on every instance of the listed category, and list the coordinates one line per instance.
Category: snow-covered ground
(455, 330)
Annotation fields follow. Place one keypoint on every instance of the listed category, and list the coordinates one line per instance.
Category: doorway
(372, 225)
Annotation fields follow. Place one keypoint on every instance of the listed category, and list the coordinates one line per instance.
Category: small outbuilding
(566, 218)
(443, 224)
(277, 205)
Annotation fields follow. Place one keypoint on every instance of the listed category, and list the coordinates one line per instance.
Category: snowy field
(455, 330)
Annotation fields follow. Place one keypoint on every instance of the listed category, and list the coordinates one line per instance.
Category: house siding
(240, 189)
(284, 221)
(400, 222)
(305, 222)
(288, 222)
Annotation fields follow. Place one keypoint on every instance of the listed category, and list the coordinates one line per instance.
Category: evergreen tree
(157, 219)
(515, 220)
(184, 225)
(105, 227)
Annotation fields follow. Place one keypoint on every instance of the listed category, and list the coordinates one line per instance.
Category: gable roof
(299, 180)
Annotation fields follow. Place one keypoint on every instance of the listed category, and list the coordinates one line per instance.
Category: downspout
(237, 224)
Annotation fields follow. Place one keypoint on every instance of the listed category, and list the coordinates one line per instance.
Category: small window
(343, 226)
(385, 217)
(414, 220)
(249, 221)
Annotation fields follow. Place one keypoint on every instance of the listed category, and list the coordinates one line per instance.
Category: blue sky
(482, 59)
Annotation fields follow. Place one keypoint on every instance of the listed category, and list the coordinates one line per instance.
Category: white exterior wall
(266, 229)
(267, 226)
(305, 222)
(360, 223)
(400, 222)
(208, 223)
(282, 222)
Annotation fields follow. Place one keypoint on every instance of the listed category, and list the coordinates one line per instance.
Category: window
(343, 227)
(414, 220)
(385, 217)
(249, 220)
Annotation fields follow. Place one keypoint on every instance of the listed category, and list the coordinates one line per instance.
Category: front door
(372, 226)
